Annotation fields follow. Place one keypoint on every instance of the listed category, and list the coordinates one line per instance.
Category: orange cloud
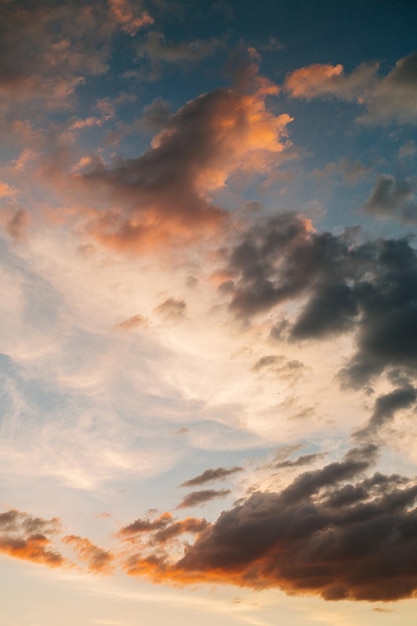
(332, 532)
(34, 548)
(164, 197)
(98, 560)
(308, 82)
(136, 321)
(23, 536)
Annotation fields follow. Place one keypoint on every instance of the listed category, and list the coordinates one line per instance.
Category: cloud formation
(392, 198)
(322, 535)
(129, 22)
(48, 48)
(29, 538)
(164, 196)
(211, 475)
(385, 408)
(368, 288)
(98, 560)
(195, 498)
(388, 99)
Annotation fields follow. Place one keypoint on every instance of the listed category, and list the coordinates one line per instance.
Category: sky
(208, 329)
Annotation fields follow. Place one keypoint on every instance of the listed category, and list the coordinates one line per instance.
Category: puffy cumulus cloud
(195, 498)
(280, 258)
(47, 48)
(368, 288)
(26, 537)
(392, 198)
(391, 98)
(211, 475)
(98, 560)
(336, 532)
(164, 196)
(387, 330)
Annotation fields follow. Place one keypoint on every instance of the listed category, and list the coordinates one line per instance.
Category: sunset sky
(208, 331)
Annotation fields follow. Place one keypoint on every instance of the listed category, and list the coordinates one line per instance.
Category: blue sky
(208, 342)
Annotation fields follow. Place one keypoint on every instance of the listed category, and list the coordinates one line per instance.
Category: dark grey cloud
(304, 459)
(368, 288)
(188, 525)
(146, 525)
(211, 475)
(322, 535)
(196, 498)
(387, 332)
(386, 406)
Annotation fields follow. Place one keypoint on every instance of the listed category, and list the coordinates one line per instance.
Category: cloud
(172, 309)
(145, 526)
(6, 191)
(385, 408)
(388, 99)
(126, 18)
(320, 80)
(17, 225)
(280, 258)
(322, 535)
(98, 560)
(366, 288)
(48, 48)
(304, 459)
(350, 171)
(136, 321)
(392, 198)
(196, 498)
(188, 525)
(210, 475)
(26, 537)
(409, 149)
(165, 196)
(157, 49)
